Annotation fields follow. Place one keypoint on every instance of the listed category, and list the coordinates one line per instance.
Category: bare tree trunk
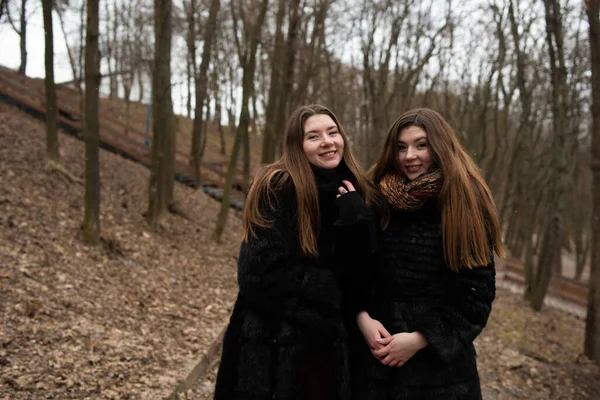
(128, 56)
(82, 30)
(582, 250)
(52, 153)
(246, 151)
(140, 80)
(73, 65)
(268, 143)
(201, 88)
(218, 111)
(91, 220)
(20, 30)
(313, 49)
(127, 85)
(552, 242)
(190, 79)
(248, 61)
(112, 51)
(108, 51)
(230, 124)
(23, 66)
(523, 130)
(162, 170)
(592, 326)
(253, 115)
(287, 81)
(205, 125)
(3, 5)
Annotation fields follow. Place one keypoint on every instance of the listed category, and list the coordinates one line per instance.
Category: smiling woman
(286, 338)
(434, 281)
(323, 143)
(414, 154)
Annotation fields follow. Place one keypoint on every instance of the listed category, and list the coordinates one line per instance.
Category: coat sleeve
(277, 280)
(450, 327)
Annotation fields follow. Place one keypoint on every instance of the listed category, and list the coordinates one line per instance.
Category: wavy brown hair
(295, 167)
(469, 218)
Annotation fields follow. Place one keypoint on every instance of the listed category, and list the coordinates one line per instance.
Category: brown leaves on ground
(121, 321)
(129, 319)
(528, 355)
(521, 355)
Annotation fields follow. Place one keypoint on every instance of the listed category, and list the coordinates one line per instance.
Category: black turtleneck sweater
(328, 181)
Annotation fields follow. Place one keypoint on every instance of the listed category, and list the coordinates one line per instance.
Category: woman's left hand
(343, 190)
(399, 348)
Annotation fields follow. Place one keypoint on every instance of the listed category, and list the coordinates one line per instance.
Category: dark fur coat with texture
(288, 308)
(412, 289)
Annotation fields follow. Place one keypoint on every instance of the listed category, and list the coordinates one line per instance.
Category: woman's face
(323, 143)
(414, 154)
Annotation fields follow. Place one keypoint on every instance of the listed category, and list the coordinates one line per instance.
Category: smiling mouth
(328, 154)
(413, 168)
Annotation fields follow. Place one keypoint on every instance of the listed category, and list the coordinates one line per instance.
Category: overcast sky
(10, 48)
(10, 53)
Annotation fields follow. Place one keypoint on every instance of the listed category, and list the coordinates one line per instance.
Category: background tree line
(517, 79)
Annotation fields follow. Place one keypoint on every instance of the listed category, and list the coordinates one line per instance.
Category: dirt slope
(123, 321)
(126, 321)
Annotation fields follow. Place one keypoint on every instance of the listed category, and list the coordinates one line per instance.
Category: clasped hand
(391, 350)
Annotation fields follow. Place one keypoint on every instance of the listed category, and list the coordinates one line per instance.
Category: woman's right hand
(349, 187)
(371, 330)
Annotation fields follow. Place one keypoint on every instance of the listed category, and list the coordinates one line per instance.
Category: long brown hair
(294, 166)
(469, 218)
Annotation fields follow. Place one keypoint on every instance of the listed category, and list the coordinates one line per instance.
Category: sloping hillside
(128, 320)
(121, 321)
(134, 116)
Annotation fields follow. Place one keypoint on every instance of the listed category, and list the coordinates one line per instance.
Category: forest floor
(129, 319)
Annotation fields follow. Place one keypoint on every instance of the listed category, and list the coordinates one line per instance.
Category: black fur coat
(412, 289)
(288, 309)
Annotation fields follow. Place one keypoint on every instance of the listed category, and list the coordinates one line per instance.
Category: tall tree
(395, 51)
(162, 170)
(552, 240)
(91, 220)
(247, 55)
(76, 73)
(23, 24)
(592, 327)
(218, 109)
(271, 126)
(3, 5)
(21, 30)
(524, 130)
(289, 65)
(128, 59)
(52, 153)
(110, 47)
(202, 83)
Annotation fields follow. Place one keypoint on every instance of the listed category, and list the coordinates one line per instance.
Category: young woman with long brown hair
(432, 290)
(286, 338)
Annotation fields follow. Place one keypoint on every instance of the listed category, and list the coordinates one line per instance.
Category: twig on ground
(57, 167)
(200, 368)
